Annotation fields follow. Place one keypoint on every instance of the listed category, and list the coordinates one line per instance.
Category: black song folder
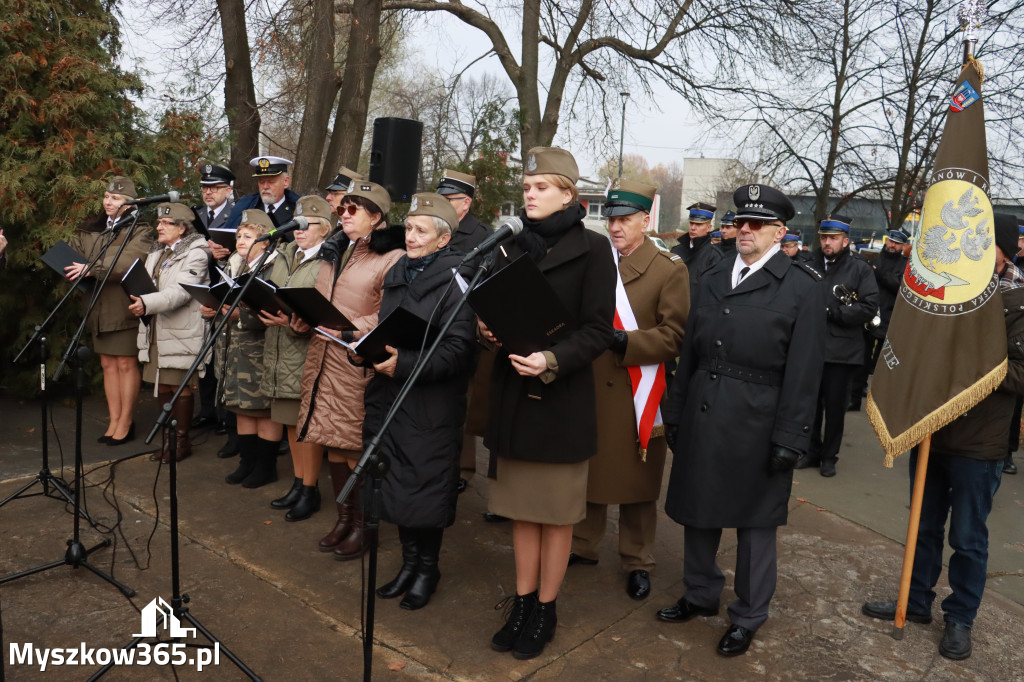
(262, 295)
(211, 297)
(222, 237)
(313, 307)
(521, 308)
(137, 281)
(400, 329)
(60, 256)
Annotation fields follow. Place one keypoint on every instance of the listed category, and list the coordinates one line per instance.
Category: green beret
(371, 191)
(122, 185)
(313, 206)
(434, 204)
(551, 161)
(254, 216)
(175, 212)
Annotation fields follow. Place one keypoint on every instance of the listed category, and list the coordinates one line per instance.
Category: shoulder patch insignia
(674, 257)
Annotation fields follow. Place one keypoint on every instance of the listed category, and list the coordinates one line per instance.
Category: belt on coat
(754, 376)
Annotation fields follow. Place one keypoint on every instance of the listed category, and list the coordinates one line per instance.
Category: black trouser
(1015, 426)
(208, 394)
(833, 398)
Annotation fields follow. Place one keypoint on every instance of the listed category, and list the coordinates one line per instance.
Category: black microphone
(142, 201)
(510, 228)
(297, 223)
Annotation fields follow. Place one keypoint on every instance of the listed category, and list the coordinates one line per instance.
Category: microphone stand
(376, 466)
(163, 421)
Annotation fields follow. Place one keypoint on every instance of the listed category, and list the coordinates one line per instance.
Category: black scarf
(414, 266)
(540, 235)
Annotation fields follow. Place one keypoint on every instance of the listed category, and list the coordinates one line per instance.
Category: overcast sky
(446, 45)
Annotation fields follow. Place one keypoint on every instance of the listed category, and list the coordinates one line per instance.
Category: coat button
(610, 383)
(806, 429)
(725, 310)
(714, 376)
(704, 407)
(718, 343)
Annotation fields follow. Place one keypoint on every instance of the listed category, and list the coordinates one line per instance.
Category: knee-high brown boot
(352, 546)
(339, 475)
(182, 412)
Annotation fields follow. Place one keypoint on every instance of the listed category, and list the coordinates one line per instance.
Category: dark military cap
(210, 174)
(701, 212)
(435, 205)
(628, 196)
(175, 212)
(1007, 231)
(269, 166)
(716, 235)
(551, 161)
(729, 218)
(343, 179)
(897, 236)
(835, 224)
(787, 238)
(123, 186)
(761, 202)
(453, 182)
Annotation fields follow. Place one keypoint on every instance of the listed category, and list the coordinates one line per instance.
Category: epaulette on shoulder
(669, 255)
(809, 270)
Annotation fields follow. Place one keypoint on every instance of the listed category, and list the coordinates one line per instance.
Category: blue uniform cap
(898, 236)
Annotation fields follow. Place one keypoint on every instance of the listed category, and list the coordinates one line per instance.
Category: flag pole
(912, 526)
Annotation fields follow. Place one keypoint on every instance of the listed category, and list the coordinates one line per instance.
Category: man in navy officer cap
(852, 300)
(729, 231)
(274, 196)
(459, 189)
(740, 412)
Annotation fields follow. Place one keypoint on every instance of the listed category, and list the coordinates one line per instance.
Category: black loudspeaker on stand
(76, 555)
(395, 156)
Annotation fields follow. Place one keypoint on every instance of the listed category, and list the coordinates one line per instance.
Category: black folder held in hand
(222, 237)
(313, 307)
(212, 297)
(400, 329)
(137, 281)
(60, 256)
(521, 308)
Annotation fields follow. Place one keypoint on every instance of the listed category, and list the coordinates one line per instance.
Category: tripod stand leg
(20, 491)
(32, 571)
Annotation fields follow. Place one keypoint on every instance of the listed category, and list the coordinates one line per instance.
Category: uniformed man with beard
(888, 274)
(740, 413)
(274, 196)
(852, 300)
(696, 250)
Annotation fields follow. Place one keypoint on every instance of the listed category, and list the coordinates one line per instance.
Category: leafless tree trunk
(239, 93)
(321, 88)
(364, 54)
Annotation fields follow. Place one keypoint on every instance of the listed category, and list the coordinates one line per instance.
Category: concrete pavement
(292, 613)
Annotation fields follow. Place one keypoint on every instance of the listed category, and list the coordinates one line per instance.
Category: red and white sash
(648, 381)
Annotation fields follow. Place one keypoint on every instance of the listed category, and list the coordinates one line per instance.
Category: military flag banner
(946, 345)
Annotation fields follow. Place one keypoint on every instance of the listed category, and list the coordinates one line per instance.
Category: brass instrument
(844, 295)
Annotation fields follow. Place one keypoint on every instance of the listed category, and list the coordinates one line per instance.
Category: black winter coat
(698, 258)
(424, 440)
(470, 233)
(888, 274)
(556, 422)
(844, 342)
(748, 377)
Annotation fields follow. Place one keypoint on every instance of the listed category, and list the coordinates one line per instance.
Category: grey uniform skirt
(539, 492)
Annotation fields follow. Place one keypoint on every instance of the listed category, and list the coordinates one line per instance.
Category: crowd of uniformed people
(760, 328)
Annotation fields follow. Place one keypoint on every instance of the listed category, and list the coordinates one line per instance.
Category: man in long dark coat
(696, 250)
(740, 411)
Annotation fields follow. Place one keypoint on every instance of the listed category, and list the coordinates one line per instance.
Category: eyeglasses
(213, 188)
(351, 209)
(756, 225)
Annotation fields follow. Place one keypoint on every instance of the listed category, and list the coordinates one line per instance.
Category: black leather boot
(308, 504)
(540, 630)
(339, 475)
(290, 498)
(231, 447)
(265, 470)
(247, 445)
(516, 617)
(427, 574)
(410, 559)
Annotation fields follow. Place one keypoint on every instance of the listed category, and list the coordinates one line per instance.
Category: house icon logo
(158, 611)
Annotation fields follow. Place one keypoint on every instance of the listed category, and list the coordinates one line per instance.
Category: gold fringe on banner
(978, 68)
(950, 410)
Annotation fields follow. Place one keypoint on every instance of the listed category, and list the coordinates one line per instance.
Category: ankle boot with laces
(522, 606)
(539, 630)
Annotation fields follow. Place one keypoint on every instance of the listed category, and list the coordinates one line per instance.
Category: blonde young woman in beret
(113, 328)
(543, 427)
(169, 344)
